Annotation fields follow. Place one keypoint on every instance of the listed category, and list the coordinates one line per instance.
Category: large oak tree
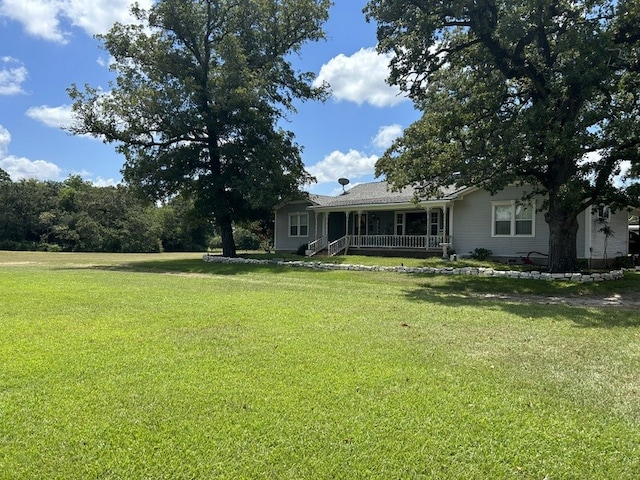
(544, 93)
(201, 89)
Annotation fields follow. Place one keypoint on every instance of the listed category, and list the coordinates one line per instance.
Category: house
(370, 217)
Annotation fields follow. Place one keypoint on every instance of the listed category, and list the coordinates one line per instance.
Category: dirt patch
(621, 301)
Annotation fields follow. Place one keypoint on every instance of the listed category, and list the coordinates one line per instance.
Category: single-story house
(371, 217)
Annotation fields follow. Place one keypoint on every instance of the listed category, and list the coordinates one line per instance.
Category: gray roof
(375, 193)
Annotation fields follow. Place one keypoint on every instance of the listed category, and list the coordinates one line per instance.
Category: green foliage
(5, 178)
(215, 242)
(183, 230)
(623, 262)
(302, 249)
(517, 93)
(244, 371)
(76, 216)
(202, 87)
(246, 239)
(481, 253)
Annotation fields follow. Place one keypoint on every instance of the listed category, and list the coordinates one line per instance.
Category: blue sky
(46, 45)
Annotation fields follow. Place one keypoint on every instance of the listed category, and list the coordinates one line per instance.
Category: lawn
(167, 367)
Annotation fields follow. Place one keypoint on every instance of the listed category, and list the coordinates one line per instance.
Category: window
(604, 213)
(513, 219)
(298, 224)
(524, 220)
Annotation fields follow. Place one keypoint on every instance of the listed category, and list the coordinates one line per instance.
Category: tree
(182, 230)
(544, 93)
(5, 178)
(201, 88)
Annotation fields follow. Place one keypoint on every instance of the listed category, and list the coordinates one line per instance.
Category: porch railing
(336, 247)
(317, 246)
(400, 241)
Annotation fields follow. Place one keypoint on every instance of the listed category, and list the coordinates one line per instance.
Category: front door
(337, 228)
(361, 225)
(434, 223)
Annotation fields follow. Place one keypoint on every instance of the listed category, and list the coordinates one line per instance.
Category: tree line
(76, 216)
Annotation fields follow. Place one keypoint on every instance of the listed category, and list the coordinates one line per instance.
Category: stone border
(473, 271)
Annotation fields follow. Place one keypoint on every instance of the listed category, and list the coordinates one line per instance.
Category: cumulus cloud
(352, 164)
(45, 18)
(386, 135)
(12, 75)
(20, 167)
(5, 140)
(360, 78)
(56, 117)
(103, 182)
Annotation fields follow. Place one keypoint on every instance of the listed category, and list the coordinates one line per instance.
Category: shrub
(623, 262)
(246, 239)
(481, 253)
(266, 245)
(215, 242)
(302, 249)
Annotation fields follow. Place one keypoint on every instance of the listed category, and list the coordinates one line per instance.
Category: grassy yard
(167, 367)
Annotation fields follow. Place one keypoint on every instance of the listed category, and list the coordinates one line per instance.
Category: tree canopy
(201, 89)
(543, 93)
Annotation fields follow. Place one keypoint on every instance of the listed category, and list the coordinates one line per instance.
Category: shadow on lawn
(195, 267)
(530, 300)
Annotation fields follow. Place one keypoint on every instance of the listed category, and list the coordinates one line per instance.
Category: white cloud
(361, 78)
(56, 117)
(386, 135)
(352, 164)
(103, 182)
(20, 167)
(43, 18)
(5, 140)
(12, 76)
(39, 17)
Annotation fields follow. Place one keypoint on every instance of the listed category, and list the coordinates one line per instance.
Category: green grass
(164, 366)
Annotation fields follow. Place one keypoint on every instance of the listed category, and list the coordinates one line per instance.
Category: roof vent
(343, 182)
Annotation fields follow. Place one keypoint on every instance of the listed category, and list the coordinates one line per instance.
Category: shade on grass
(127, 367)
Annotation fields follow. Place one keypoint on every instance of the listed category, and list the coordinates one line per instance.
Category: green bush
(623, 262)
(481, 253)
(215, 242)
(246, 239)
(302, 249)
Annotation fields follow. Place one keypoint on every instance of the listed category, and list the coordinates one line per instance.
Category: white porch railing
(336, 247)
(400, 241)
(415, 242)
(317, 246)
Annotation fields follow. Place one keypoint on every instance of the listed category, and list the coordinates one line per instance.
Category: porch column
(315, 216)
(445, 221)
(326, 225)
(451, 225)
(428, 242)
(346, 222)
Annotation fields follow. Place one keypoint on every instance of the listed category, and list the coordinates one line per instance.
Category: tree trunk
(226, 233)
(563, 235)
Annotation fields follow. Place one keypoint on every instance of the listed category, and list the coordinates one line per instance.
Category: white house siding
(617, 244)
(283, 242)
(472, 218)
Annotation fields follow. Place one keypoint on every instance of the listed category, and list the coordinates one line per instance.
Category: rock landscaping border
(472, 271)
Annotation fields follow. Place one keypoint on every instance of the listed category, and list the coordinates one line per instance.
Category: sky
(48, 45)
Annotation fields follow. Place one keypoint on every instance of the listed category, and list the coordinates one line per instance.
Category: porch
(414, 231)
(432, 244)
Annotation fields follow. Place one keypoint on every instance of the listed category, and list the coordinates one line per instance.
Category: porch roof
(378, 194)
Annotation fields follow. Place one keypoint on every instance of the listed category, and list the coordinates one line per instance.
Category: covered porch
(427, 230)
